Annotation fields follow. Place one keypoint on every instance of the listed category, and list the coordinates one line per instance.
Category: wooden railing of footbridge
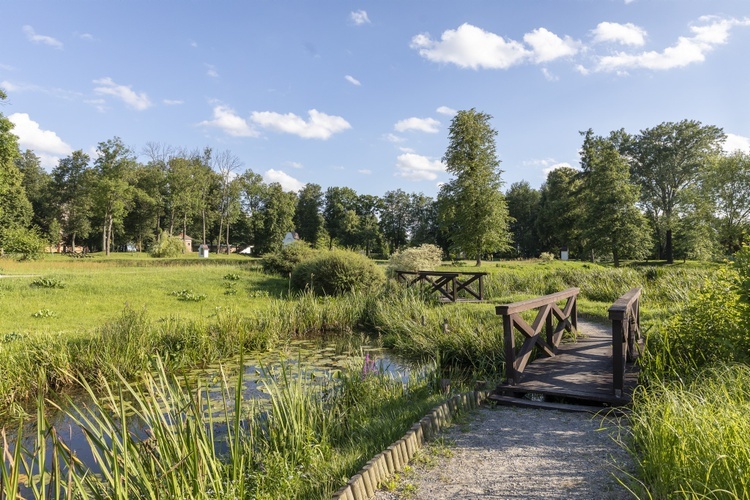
(626, 333)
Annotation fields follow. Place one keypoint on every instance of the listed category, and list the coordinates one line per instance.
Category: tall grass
(690, 439)
(161, 439)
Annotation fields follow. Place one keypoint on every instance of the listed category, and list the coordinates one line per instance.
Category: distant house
(188, 241)
(248, 250)
(290, 238)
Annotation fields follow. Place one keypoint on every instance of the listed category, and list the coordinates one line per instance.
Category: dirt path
(502, 452)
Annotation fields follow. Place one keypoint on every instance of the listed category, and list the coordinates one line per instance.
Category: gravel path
(508, 452)
(504, 452)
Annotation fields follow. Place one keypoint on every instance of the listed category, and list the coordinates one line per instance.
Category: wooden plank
(525, 305)
(548, 405)
(619, 309)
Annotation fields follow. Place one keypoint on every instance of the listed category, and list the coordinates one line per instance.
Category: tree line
(664, 193)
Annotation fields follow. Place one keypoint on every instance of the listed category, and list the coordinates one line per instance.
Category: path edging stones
(365, 483)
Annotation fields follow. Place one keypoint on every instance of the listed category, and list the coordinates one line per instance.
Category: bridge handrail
(626, 331)
(567, 317)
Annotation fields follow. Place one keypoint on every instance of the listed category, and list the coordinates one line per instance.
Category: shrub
(547, 256)
(337, 272)
(26, 243)
(168, 246)
(284, 261)
(422, 258)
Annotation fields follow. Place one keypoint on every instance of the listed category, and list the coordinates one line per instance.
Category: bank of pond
(199, 405)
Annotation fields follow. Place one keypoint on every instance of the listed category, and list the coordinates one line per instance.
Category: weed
(188, 295)
(232, 277)
(47, 283)
(44, 313)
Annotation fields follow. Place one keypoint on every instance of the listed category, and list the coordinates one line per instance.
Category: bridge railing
(626, 332)
(548, 312)
(450, 286)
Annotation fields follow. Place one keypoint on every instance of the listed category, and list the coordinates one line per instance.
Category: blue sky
(361, 93)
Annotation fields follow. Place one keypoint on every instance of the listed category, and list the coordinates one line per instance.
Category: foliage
(559, 211)
(188, 295)
(523, 209)
(666, 162)
(15, 209)
(547, 256)
(336, 272)
(168, 246)
(727, 183)
(27, 244)
(611, 224)
(689, 440)
(47, 283)
(422, 258)
(283, 261)
(308, 217)
(71, 183)
(473, 210)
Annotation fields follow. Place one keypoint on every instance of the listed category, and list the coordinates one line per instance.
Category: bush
(168, 246)
(422, 258)
(547, 256)
(285, 260)
(26, 243)
(337, 272)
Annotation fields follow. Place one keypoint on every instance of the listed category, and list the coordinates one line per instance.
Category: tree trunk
(221, 230)
(105, 248)
(616, 257)
(73, 240)
(109, 233)
(203, 212)
(227, 238)
(669, 249)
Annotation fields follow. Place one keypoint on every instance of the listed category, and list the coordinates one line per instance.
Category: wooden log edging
(366, 482)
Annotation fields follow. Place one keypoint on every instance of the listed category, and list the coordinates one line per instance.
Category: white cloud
(293, 164)
(194, 44)
(364, 171)
(122, 92)
(319, 125)
(393, 138)
(735, 142)
(429, 125)
(227, 120)
(173, 102)
(27, 87)
(445, 110)
(470, 47)
(45, 143)
(32, 36)
(288, 183)
(417, 167)
(7, 67)
(549, 76)
(547, 46)
(352, 80)
(406, 150)
(687, 50)
(85, 36)
(556, 166)
(211, 71)
(359, 17)
(625, 34)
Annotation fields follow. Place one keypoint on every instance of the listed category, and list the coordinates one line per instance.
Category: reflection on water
(314, 360)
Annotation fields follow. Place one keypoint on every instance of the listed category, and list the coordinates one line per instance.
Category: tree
(478, 214)
(666, 161)
(15, 209)
(36, 183)
(229, 192)
(559, 211)
(112, 187)
(395, 219)
(423, 220)
(71, 182)
(727, 184)
(308, 219)
(523, 208)
(612, 222)
(338, 221)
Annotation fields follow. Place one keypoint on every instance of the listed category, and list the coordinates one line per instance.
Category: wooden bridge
(594, 370)
(450, 286)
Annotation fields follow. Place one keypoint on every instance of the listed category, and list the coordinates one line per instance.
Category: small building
(564, 253)
(187, 241)
(248, 250)
(203, 251)
(290, 238)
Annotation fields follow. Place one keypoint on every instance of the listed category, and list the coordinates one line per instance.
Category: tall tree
(36, 183)
(423, 220)
(395, 219)
(612, 222)
(308, 217)
(523, 208)
(71, 182)
(112, 189)
(727, 184)
(338, 212)
(15, 209)
(479, 214)
(227, 164)
(667, 160)
(559, 211)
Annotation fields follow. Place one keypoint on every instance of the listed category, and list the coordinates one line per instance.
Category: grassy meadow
(110, 321)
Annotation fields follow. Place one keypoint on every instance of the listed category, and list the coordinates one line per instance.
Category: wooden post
(618, 359)
(510, 350)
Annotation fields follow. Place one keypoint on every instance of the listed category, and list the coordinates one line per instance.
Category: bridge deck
(581, 370)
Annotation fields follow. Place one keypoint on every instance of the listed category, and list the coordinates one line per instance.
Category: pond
(314, 360)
